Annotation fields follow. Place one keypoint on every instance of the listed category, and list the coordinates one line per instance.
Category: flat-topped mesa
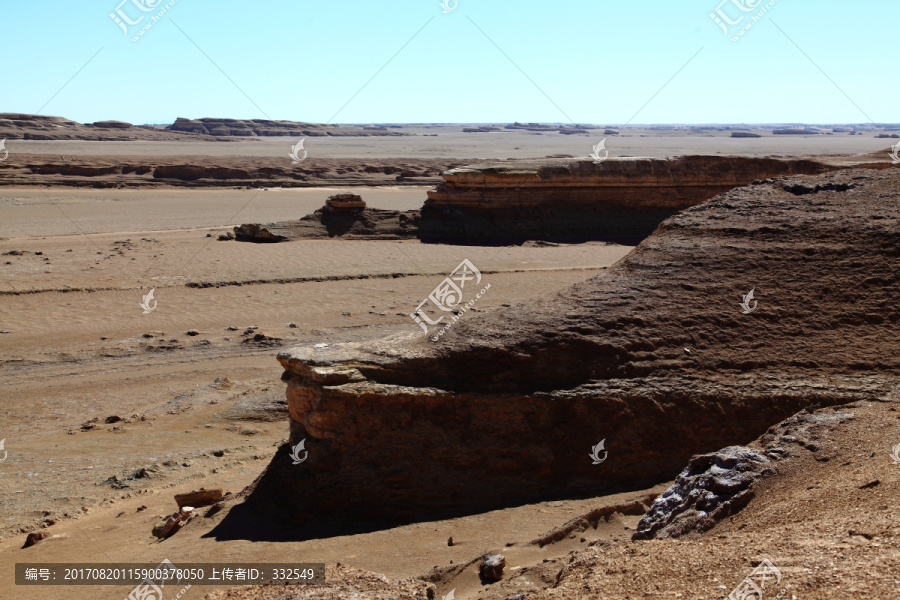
(344, 203)
(658, 358)
(571, 200)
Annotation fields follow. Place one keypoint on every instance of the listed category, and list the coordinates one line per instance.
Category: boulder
(36, 536)
(173, 523)
(198, 498)
(492, 567)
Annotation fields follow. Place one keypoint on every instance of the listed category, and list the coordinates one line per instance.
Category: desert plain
(109, 409)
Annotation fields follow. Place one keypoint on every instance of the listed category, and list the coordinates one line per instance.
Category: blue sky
(588, 61)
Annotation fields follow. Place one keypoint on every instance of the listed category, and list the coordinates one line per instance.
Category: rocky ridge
(18, 126)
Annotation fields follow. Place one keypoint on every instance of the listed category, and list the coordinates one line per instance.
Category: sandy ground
(201, 410)
(451, 142)
(35, 212)
(79, 348)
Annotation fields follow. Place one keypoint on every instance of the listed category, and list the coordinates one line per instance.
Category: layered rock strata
(223, 171)
(617, 199)
(662, 357)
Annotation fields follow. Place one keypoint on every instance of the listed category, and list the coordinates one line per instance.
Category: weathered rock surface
(492, 567)
(510, 403)
(199, 498)
(173, 523)
(345, 203)
(712, 487)
(619, 199)
(35, 537)
(345, 216)
(717, 485)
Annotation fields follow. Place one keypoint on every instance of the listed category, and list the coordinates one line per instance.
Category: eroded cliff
(571, 200)
(656, 357)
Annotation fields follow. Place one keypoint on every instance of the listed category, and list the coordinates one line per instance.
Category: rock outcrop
(220, 171)
(345, 216)
(712, 487)
(347, 204)
(618, 199)
(507, 406)
(719, 484)
(17, 126)
(268, 128)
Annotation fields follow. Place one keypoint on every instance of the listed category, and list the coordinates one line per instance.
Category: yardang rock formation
(505, 409)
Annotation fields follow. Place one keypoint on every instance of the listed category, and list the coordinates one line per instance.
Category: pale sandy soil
(35, 212)
(109, 248)
(57, 373)
(450, 142)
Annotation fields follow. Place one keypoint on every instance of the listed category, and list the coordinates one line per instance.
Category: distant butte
(18, 126)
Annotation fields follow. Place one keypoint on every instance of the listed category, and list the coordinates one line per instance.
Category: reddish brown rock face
(508, 406)
(619, 200)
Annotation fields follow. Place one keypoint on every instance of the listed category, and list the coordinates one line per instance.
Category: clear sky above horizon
(353, 61)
